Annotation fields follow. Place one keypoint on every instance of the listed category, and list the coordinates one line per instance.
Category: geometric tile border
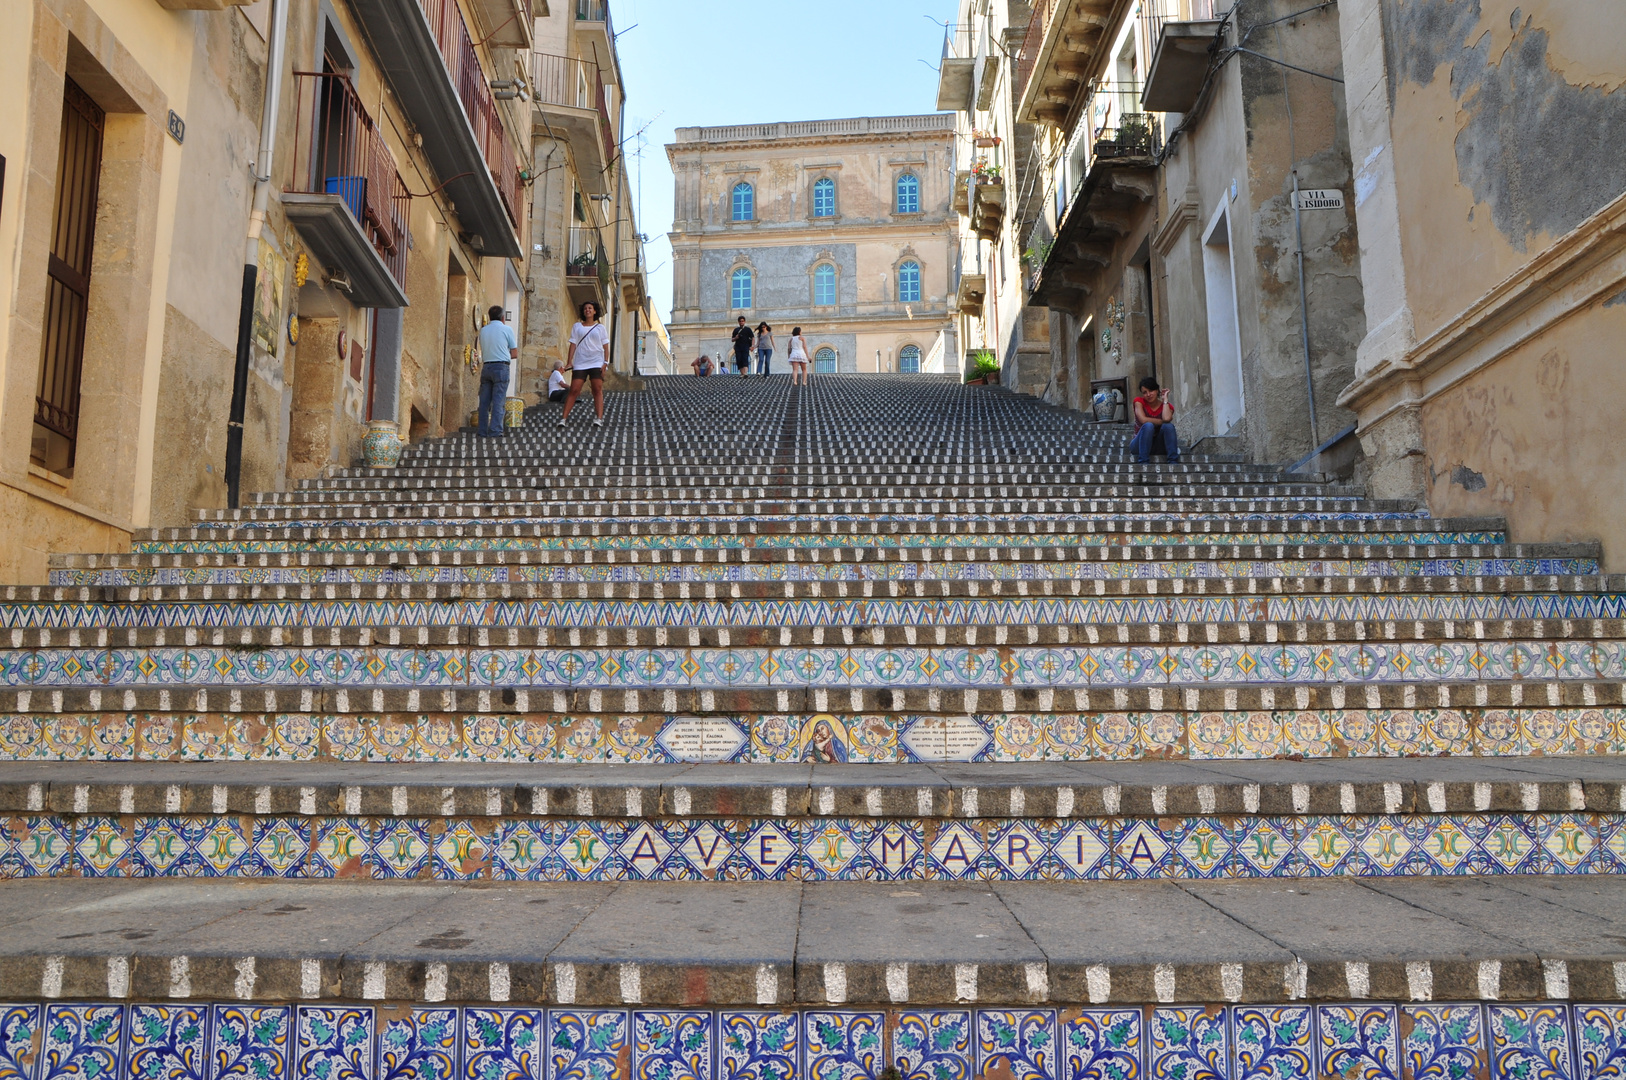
(1365, 1040)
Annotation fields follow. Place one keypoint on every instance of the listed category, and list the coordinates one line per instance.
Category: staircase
(808, 734)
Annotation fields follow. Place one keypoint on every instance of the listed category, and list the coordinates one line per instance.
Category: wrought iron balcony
(587, 273)
(347, 199)
(570, 94)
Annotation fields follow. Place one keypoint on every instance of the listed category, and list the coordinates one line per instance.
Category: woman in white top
(589, 352)
(798, 358)
(764, 348)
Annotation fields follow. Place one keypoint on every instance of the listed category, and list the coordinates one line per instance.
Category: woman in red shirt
(1154, 424)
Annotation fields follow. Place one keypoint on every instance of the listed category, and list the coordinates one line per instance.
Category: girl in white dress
(798, 358)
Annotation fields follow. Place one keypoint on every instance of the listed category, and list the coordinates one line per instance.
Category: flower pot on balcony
(381, 447)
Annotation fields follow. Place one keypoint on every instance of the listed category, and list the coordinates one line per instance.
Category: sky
(699, 63)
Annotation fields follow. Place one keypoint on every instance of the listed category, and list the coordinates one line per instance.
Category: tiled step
(854, 950)
(495, 727)
(454, 474)
(857, 565)
(637, 621)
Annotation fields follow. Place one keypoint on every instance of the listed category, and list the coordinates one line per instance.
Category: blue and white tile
(758, 1045)
(502, 1044)
(1020, 1043)
(1530, 1041)
(334, 1043)
(843, 1045)
(417, 1044)
(1101, 1044)
(19, 1041)
(81, 1042)
(1273, 1042)
(672, 1045)
(588, 1044)
(1188, 1044)
(933, 1044)
(1359, 1042)
(251, 1042)
(168, 1042)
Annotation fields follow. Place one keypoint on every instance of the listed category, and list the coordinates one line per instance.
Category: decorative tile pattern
(168, 1042)
(334, 1044)
(755, 1045)
(417, 1044)
(588, 1045)
(251, 1042)
(1445, 1042)
(81, 1042)
(1359, 1042)
(19, 1041)
(1189, 1044)
(1019, 1042)
(1101, 1044)
(1531, 1042)
(932, 1045)
(1273, 1043)
(502, 1044)
(672, 1045)
(842, 1045)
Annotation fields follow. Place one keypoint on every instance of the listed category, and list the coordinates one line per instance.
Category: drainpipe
(251, 258)
(1304, 311)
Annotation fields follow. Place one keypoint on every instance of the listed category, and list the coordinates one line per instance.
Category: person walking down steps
(798, 357)
(744, 341)
(589, 352)
(764, 348)
(498, 349)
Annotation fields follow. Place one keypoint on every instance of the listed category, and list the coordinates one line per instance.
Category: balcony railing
(1118, 127)
(340, 151)
(1159, 12)
(573, 84)
(463, 64)
(588, 259)
(1043, 12)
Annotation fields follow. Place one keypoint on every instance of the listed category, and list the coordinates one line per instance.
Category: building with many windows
(841, 227)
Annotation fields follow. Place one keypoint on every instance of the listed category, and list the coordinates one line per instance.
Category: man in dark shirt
(743, 340)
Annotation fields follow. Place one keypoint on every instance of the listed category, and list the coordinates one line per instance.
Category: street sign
(1318, 199)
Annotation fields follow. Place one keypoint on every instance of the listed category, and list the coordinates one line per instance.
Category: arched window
(824, 198)
(824, 361)
(908, 194)
(824, 285)
(909, 283)
(745, 201)
(740, 289)
(909, 359)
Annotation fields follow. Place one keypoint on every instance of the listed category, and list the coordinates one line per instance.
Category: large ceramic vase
(514, 412)
(381, 446)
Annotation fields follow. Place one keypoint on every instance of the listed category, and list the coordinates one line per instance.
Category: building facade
(841, 227)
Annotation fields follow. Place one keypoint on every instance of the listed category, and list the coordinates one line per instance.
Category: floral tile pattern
(1101, 1044)
(1022, 1042)
(758, 1045)
(932, 1045)
(588, 1045)
(334, 1044)
(19, 1041)
(168, 1042)
(251, 1042)
(1189, 1044)
(502, 1044)
(840, 1045)
(82, 1042)
(672, 1045)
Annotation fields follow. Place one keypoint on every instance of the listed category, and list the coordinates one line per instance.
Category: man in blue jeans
(1154, 424)
(498, 349)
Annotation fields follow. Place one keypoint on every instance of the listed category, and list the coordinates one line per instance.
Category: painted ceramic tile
(588, 1045)
(1445, 1042)
(502, 1044)
(1530, 1041)
(672, 1045)
(251, 1043)
(843, 1045)
(758, 1045)
(1600, 1040)
(81, 1042)
(168, 1042)
(1022, 1042)
(1359, 1042)
(19, 1041)
(1189, 1044)
(334, 1044)
(932, 1045)
(1273, 1043)
(417, 1044)
(1101, 1044)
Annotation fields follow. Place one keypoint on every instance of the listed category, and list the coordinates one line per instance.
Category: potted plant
(981, 138)
(985, 172)
(986, 366)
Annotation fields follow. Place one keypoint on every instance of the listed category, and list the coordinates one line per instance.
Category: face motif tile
(1273, 1043)
(1100, 1044)
(81, 1042)
(672, 1045)
(417, 1044)
(843, 1045)
(1359, 1042)
(588, 1045)
(1530, 1042)
(334, 1044)
(758, 1045)
(932, 1044)
(1189, 1044)
(168, 1042)
(1022, 1042)
(250, 1043)
(19, 1041)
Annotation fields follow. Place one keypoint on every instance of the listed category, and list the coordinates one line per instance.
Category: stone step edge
(548, 704)
(152, 973)
(871, 634)
(934, 798)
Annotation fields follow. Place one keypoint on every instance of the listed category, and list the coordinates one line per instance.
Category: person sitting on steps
(702, 366)
(556, 383)
(1154, 424)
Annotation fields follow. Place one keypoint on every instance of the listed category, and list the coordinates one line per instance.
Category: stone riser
(768, 849)
(637, 622)
(831, 571)
(238, 732)
(681, 478)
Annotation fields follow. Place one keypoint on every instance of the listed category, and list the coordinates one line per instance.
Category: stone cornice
(1581, 268)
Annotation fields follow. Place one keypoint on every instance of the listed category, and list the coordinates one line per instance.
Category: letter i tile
(19, 1048)
(1100, 1044)
(1189, 1044)
(756, 1046)
(672, 1045)
(1359, 1042)
(81, 1042)
(502, 1044)
(1441, 1042)
(417, 1044)
(168, 1042)
(588, 1045)
(844, 1045)
(334, 1044)
(1531, 1041)
(1273, 1043)
(933, 1045)
(1020, 1043)
(250, 1043)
